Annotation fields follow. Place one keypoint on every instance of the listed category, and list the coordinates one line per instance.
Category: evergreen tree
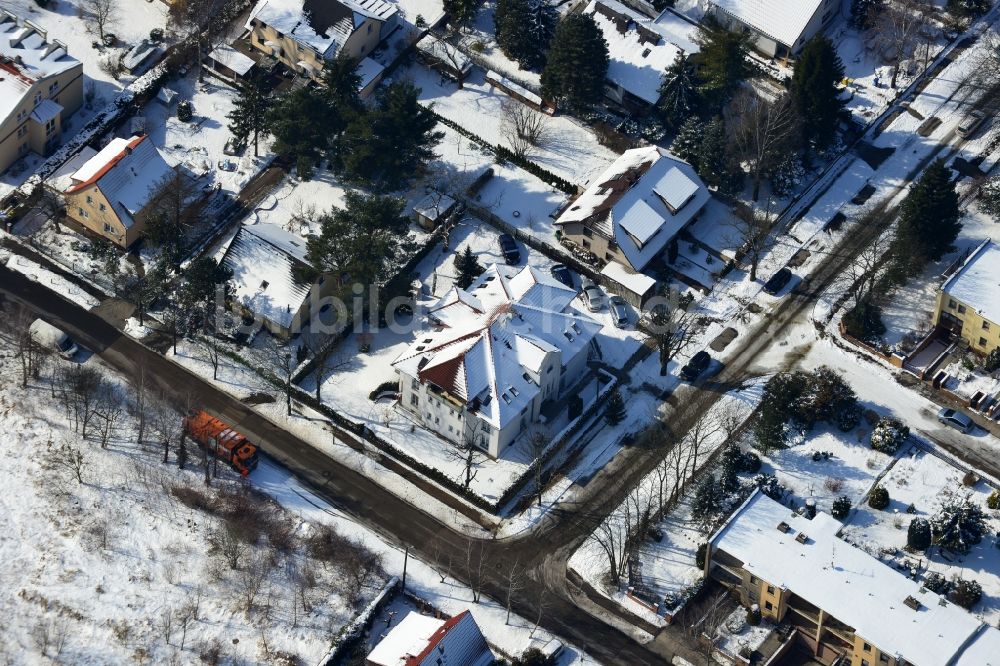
(524, 29)
(468, 267)
(615, 412)
(863, 12)
(249, 118)
(814, 90)
(461, 12)
(721, 61)
(678, 92)
(989, 197)
(200, 285)
(300, 123)
(577, 62)
(392, 143)
(969, 8)
(878, 498)
(707, 501)
(967, 593)
(888, 435)
(687, 143)
(841, 507)
(713, 163)
(363, 242)
(918, 535)
(958, 526)
(928, 221)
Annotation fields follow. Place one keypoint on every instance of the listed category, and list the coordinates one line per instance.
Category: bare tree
(279, 356)
(52, 206)
(515, 580)
(454, 58)
(522, 126)
(752, 228)
(327, 358)
(108, 413)
(70, 458)
(211, 351)
(227, 540)
(139, 395)
(257, 567)
(673, 331)
(475, 567)
(897, 32)
(29, 351)
(704, 629)
(612, 537)
(761, 133)
(101, 15)
(866, 272)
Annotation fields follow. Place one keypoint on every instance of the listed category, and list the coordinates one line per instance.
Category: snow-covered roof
(450, 56)
(639, 48)
(368, 70)
(845, 582)
(420, 640)
(46, 110)
(26, 57)
(641, 201)
(322, 25)
(138, 54)
(62, 179)
(227, 56)
(505, 83)
(637, 283)
(983, 651)
(263, 258)
(127, 171)
(977, 282)
(506, 323)
(783, 20)
(434, 205)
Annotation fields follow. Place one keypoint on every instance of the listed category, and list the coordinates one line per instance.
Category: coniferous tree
(615, 412)
(928, 221)
(300, 124)
(678, 92)
(249, 118)
(461, 12)
(391, 143)
(918, 534)
(713, 156)
(468, 267)
(687, 143)
(577, 62)
(863, 12)
(524, 29)
(814, 90)
(969, 8)
(721, 61)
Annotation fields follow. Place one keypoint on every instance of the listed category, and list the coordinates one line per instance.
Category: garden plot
(568, 149)
(199, 144)
(925, 481)
(965, 382)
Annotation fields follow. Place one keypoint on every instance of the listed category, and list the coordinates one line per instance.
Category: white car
(48, 335)
(593, 297)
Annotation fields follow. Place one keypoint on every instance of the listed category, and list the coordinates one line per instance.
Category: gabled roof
(492, 337)
(782, 20)
(26, 56)
(323, 25)
(641, 202)
(421, 640)
(127, 171)
(264, 259)
(977, 282)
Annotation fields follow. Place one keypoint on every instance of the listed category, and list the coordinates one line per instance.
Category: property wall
(982, 334)
(16, 135)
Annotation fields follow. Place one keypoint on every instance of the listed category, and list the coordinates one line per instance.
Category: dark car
(778, 281)
(697, 365)
(562, 274)
(508, 248)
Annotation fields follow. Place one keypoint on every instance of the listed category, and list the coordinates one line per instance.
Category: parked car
(593, 297)
(508, 248)
(552, 650)
(970, 123)
(778, 281)
(956, 420)
(562, 274)
(619, 313)
(698, 364)
(49, 336)
(227, 165)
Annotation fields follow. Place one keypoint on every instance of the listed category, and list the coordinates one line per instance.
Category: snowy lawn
(926, 481)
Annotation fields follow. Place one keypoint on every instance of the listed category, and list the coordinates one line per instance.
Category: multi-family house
(494, 355)
(968, 303)
(40, 86)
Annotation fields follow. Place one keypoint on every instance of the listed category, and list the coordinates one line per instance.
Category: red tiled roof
(135, 141)
(435, 638)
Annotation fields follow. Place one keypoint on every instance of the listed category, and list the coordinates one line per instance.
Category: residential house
(846, 606)
(496, 353)
(111, 191)
(421, 640)
(632, 211)
(780, 27)
(640, 49)
(304, 34)
(272, 278)
(968, 303)
(41, 85)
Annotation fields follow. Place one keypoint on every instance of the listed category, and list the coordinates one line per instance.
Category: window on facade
(38, 98)
(884, 658)
(369, 28)
(90, 199)
(770, 589)
(768, 605)
(952, 304)
(83, 213)
(753, 580)
(864, 662)
(982, 342)
(866, 647)
(102, 207)
(961, 309)
(108, 228)
(608, 256)
(986, 325)
(415, 400)
(586, 243)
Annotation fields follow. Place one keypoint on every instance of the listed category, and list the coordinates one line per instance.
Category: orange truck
(222, 441)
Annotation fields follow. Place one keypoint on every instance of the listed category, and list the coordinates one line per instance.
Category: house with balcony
(631, 212)
(845, 606)
(41, 85)
(304, 34)
(493, 355)
(968, 303)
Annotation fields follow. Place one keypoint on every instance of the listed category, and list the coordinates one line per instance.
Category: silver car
(956, 420)
(594, 297)
(619, 313)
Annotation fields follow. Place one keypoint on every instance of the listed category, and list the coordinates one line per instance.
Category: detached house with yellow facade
(40, 86)
(968, 303)
(111, 191)
(845, 606)
(304, 34)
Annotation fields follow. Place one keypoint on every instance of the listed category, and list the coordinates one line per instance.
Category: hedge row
(504, 154)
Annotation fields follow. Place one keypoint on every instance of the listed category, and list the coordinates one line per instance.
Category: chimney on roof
(128, 150)
(810, 511)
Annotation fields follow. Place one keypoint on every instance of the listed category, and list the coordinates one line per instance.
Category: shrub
(888, 435)
(958, 526)
(841, 507)
(699, 555)
(864, 322)
(993, 501)
(185, 112)
(753, 615)
(967, 593)
(918, 536)
(937, 584)
(478, 46)
(382, 388)
(992, 362)
(879, 498)
(156, 35)
(769, 485)
(849, 419)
